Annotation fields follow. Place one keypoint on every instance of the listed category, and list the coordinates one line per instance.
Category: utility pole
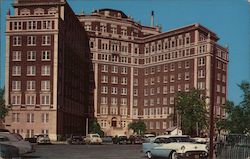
(211, 130)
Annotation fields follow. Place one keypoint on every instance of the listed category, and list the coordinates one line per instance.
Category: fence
(234, 146)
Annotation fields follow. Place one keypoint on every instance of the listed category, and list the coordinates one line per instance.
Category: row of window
(38, 11)
(30, 99)
(114, 101)
(31, 55)
(31, 85)
(31, 70)
(32, 40)
(30, 117)
(158, 125)
(104, 110)
(114, 69)
(106, 123)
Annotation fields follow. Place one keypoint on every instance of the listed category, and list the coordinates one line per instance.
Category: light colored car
(173, 147)
(43, 139)
(93, 139)
(11, 139)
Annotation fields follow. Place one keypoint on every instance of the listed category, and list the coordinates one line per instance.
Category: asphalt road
(64, 151)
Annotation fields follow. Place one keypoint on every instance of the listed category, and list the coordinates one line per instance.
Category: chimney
(152, 18)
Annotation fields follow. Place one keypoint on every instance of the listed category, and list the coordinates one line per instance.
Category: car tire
(173, 155)
(149, 155)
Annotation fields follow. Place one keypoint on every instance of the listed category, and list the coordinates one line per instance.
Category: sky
(229, 19)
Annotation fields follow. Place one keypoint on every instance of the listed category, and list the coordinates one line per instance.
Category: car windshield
(95, 135)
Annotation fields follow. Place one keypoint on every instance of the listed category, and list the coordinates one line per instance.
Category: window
(146, 71)
(152, 81)
(30, 118)
(16, 56)
(113, 101)
(114, 90)
(135, 112)
(45, 70)
(104, 89)
(45, 117)
(114, 110)
(46, 55)
(145, 82)
(201, 61)
(186, 75)
(31, 40)
(172, 66)
(45, 131)
(104, 100)
(16, 85)
(104, 68)
(135, 92)
(152, 91)
(201, 85)
(171, 78)
(124, 81)
(16, 99)
(165, 101)
(171, 89)
(145, 92)
(145, 102)
(123, 101)
(45, 85)
(135, 102)
(114, 80)
(17, 41)
(16, 71)
(124, 70)
(135, 71)
(171, 100)
(104, 79)
(31, 85)
(165, 79)
(218, 88)
(15, 117)
(46, 25)
(165, 68)
(31, 70)
(32, 25)
(187, 64)
(201, 73)
(123, 111)
(135, 82)
(46, 40)
(31, 55)
(165, 89)
(104, 110)
(45, 99)
(114, 69)
(123, 91)
(186, 87)
(157, 125)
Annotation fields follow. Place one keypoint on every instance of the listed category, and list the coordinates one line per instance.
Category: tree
(95, 127)
(3, 109)
(191, 107)
(239, 115)
(138, 126)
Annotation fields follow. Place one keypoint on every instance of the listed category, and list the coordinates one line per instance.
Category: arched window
(52, 10)
(25, 11)
(39, 11)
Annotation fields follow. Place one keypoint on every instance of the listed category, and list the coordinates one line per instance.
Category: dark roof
(111, 10)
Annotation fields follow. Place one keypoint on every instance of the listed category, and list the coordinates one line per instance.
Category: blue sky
(229, 19)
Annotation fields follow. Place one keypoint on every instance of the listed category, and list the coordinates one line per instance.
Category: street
(108, 151)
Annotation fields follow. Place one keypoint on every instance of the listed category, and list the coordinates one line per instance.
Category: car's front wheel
(173, 155)
(149, 155)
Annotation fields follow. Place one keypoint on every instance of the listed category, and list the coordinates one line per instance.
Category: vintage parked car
(93, 139)
(75, 139)
(121, 139)
(134, 139)
(107, 139)
(9, 151)
(11, 139)
(175, 147)
(43, 139)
